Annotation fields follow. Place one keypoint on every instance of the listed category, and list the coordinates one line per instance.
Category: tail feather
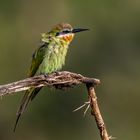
(35, 92)
(24, 102)
(17, 119)
(28, 96)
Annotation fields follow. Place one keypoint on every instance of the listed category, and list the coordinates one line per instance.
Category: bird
(49, 57)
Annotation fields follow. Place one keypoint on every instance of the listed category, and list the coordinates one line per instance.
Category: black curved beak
(78, 30)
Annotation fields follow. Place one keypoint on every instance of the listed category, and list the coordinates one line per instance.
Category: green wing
(31, 93)
(37, 59)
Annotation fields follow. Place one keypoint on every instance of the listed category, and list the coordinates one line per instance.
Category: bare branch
(96, 112)
(58, 80)
(61, 80)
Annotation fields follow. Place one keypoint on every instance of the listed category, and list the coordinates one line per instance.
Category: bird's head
(64, 31)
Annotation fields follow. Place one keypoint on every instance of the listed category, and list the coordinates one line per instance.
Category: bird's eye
(57, 34)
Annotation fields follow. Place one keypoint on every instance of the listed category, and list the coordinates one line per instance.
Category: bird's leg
(45, 75)
(85, 104)
(57, 72)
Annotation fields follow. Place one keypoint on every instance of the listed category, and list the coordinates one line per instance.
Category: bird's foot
(45, 75)
(57, 73)
(80, 107)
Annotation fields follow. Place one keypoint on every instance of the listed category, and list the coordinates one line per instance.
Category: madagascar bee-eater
(48, 58)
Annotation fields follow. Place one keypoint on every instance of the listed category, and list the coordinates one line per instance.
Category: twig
(96, 112)
(61, 80)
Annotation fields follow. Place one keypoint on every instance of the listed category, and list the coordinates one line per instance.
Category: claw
(46, 75)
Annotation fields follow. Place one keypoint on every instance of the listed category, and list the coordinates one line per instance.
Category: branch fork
(63, 79)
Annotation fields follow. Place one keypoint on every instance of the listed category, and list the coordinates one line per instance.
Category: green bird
(48, 58)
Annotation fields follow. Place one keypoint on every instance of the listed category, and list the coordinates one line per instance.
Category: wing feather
(37, 59)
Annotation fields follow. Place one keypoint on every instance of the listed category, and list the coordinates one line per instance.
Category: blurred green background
(110, 51)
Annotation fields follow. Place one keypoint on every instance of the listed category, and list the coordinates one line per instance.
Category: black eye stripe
(66, 31)
(63, 32)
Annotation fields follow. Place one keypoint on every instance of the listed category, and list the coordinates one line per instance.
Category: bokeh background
(110, 51)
